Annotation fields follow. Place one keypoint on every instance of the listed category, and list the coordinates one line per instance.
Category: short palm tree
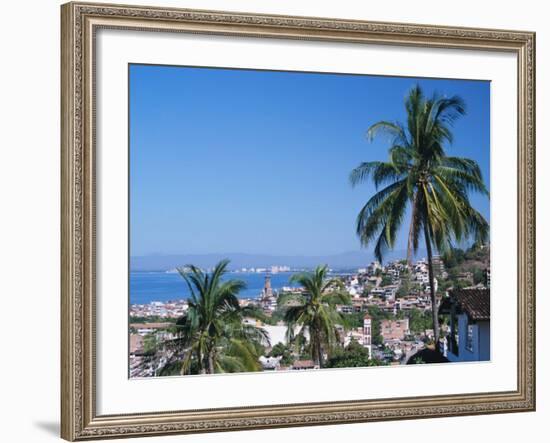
(315, 311)
(419, 175)
(213, 332)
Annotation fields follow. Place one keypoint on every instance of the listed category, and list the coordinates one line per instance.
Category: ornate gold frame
(78, 416)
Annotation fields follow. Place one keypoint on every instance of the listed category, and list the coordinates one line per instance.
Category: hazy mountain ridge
(350, 259)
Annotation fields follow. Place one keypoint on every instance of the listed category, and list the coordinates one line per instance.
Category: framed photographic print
(283, 221)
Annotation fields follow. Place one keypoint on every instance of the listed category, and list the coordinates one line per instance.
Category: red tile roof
(475, 302)
(136, 343)
(299, 364)
(155, 325)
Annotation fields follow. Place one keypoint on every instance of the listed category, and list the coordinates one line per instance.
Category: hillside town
(387, 320)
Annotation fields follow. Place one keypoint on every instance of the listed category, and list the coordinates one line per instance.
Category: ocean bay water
(146, 287)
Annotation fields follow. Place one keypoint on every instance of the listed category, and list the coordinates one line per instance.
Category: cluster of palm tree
(419, 177)
(215, 337)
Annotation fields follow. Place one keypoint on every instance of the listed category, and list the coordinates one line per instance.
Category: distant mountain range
(351, 259)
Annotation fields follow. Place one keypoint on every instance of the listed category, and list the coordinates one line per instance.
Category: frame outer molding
(78, 24)
(68, 202)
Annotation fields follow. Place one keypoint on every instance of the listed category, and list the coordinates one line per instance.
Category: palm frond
(380, 172)
(394, 130)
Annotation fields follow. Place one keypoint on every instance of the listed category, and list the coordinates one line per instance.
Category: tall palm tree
(315, 311)
(212, 331)
(420, 175)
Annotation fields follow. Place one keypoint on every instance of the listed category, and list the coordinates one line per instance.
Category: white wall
(29, 222)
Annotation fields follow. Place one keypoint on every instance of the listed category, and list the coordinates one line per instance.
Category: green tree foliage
(150, 343)
(315, 311)
(404, 289)
(212, 334)
(173, 368)
(453, 257)
(419, 321)
(479, 275)
(377, 338)
(353, 320)
(420, 175)
(457, 259)
(282, 350)
(275, 317)
(353, 356)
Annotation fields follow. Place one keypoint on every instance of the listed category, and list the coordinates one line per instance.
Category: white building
(469, 338)
(278, 333)
(390, 291)
(367, 333)
(373, 267)
(435, 285)
(270, 363)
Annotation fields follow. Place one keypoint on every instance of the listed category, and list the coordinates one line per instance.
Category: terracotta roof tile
(303, 364)
(475, 302)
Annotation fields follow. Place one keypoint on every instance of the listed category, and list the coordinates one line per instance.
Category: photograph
(296, 221)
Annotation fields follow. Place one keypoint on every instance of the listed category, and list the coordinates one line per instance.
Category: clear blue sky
(258, 162)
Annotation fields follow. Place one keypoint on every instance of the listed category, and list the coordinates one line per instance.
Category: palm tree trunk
(320, 352)
(211, 362)
(435, 316)
(411, 232)
(315, 345)
(200, 361)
